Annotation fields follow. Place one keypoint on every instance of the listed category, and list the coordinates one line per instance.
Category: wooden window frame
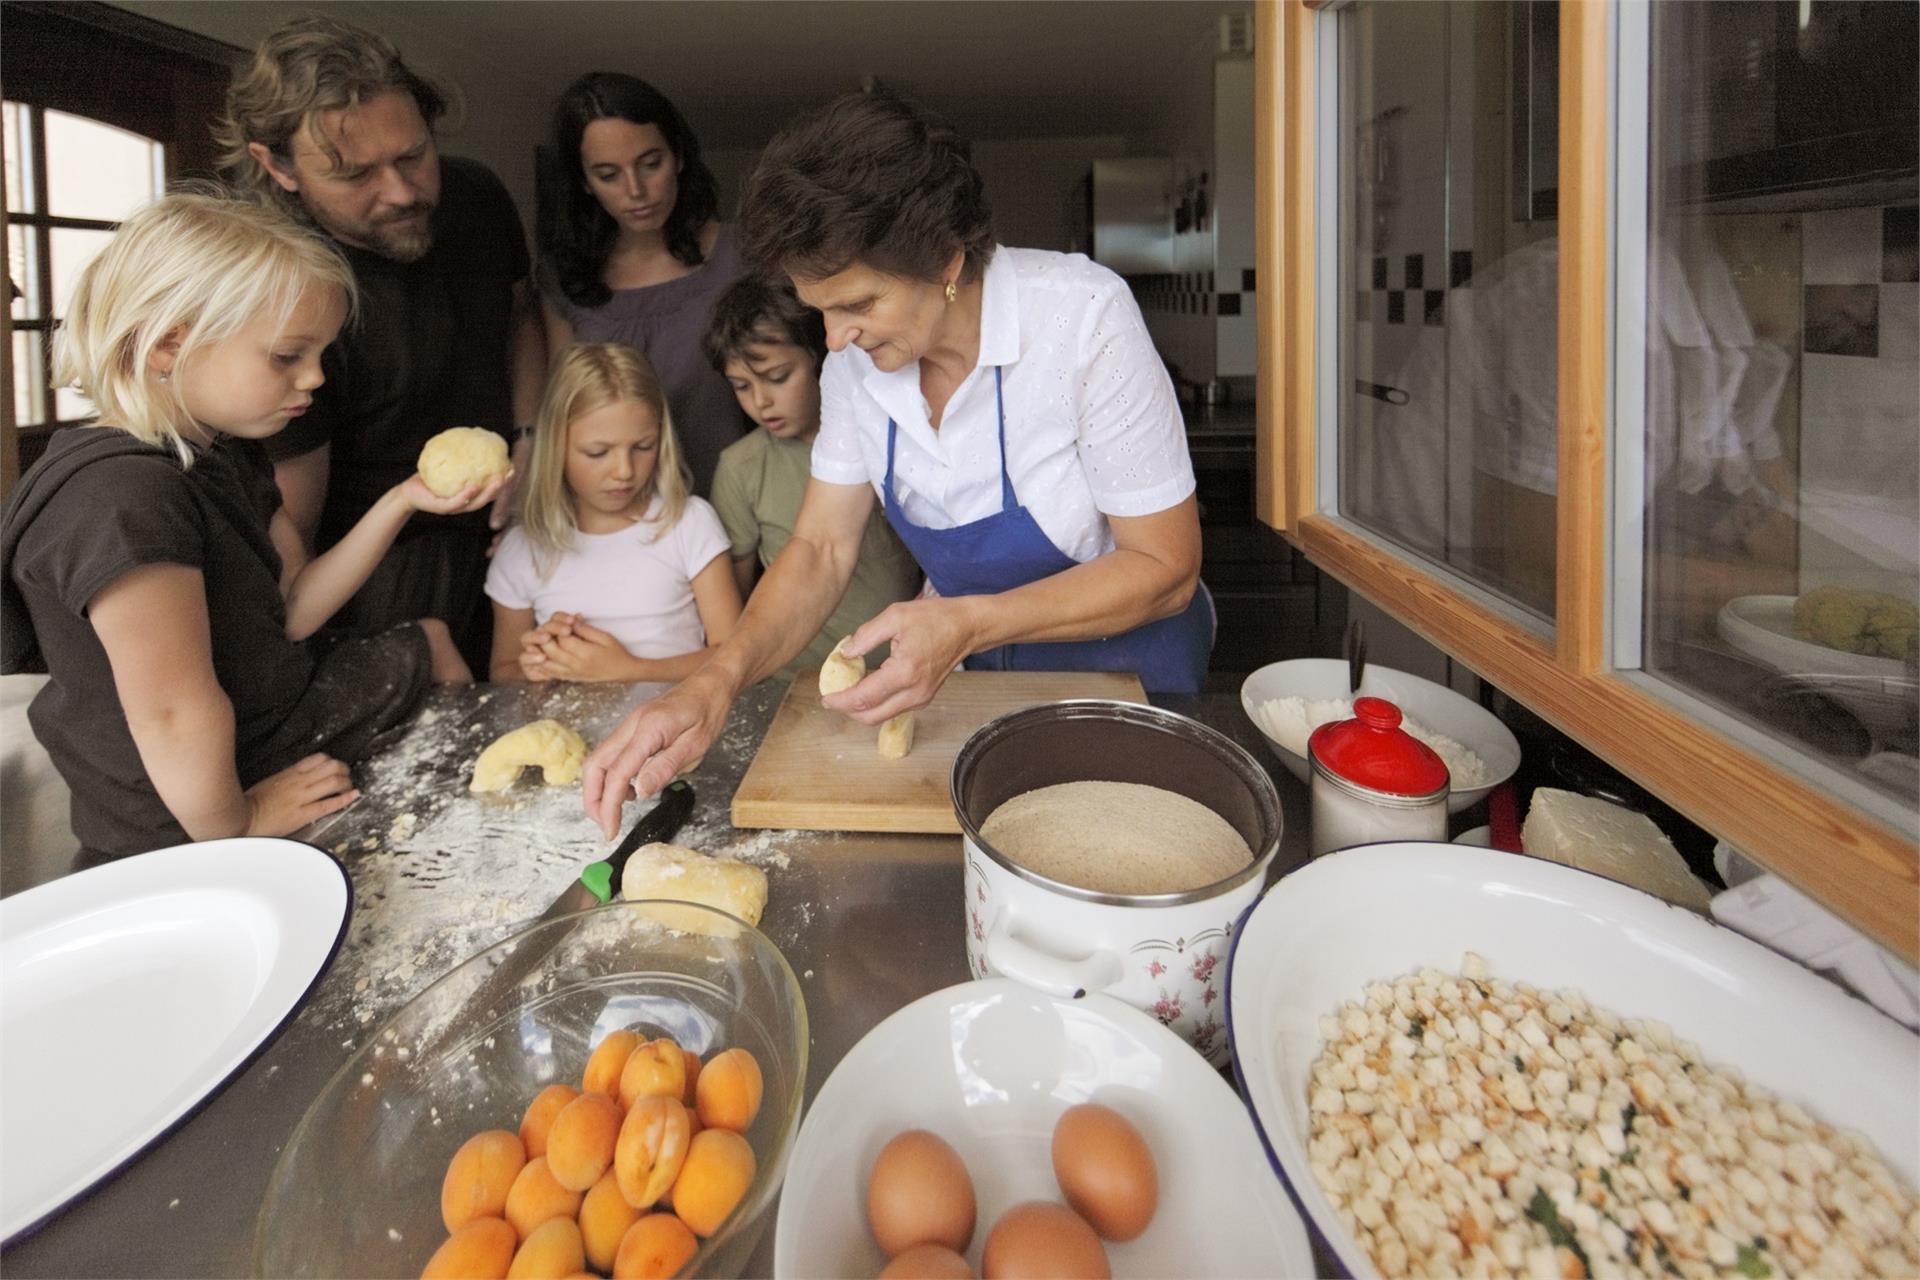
(1865, 871)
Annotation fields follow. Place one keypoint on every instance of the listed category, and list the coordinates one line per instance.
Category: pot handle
(1014, 956)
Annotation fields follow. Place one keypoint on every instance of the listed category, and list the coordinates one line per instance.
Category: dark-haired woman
(1006, 409)
(636, 254)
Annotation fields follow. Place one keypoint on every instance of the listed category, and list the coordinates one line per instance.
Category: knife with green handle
(599, 881)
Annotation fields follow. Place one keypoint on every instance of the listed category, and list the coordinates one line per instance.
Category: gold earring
(952, 292)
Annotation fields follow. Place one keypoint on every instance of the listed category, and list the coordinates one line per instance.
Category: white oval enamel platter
(1375, 912)
(990, 1066)
(189, 959)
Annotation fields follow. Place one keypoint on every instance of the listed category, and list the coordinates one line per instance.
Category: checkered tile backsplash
(1192, 293)
(1408, 290)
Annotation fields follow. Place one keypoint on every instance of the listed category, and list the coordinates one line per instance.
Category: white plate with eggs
(990, 1066)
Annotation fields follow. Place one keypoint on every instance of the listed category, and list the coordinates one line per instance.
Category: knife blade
(598, 880)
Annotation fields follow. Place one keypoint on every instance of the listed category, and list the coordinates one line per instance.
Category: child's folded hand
(584, 652)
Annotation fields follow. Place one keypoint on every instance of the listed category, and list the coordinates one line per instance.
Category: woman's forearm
(792, 602)
(1107, 596)
(328, 581)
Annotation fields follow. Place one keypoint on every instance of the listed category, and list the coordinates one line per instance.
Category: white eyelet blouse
(1093, 427)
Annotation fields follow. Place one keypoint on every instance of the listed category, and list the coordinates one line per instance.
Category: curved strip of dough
(557, 750)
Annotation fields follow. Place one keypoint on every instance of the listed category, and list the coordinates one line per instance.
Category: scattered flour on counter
(1291, 721)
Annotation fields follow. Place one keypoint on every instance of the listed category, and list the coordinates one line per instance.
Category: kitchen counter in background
(868, 922)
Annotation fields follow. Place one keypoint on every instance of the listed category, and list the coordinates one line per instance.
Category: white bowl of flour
(1287, 701)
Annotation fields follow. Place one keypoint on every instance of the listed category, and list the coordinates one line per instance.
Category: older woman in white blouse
(1006, 408)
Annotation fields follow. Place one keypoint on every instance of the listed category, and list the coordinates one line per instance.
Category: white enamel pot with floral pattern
(1165, 953)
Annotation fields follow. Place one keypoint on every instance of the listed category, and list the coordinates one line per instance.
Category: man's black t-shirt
(430, 349)
(115, 515)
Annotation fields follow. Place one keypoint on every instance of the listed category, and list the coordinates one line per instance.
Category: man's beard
(398, 236)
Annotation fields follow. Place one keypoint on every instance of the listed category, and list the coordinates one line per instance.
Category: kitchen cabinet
(1642, 448)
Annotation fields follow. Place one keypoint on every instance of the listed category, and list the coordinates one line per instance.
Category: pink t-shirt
(640, 592)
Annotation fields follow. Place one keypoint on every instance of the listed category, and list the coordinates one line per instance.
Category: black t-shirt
(115, 515)
(430, 349)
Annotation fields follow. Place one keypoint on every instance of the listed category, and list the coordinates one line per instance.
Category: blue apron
(1009, 549)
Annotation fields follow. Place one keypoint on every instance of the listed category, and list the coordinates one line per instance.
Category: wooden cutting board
(819, 771)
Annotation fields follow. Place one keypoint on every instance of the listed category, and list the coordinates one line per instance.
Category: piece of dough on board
(559, 752)
(896, 737)
(686, 875)
(840, 671)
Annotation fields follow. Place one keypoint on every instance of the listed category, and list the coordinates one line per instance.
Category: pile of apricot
(624, 1175)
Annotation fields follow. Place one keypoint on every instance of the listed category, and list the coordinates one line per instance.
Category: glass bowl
(357, 1191)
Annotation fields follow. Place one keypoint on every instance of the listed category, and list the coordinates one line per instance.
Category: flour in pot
(1116, 837)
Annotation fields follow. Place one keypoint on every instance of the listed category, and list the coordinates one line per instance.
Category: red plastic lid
(1373, 751)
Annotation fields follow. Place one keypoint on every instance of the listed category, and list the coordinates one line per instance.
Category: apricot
(604, 1063)
(716, 1173)
(479, 1249)
(538, 1121)
(653, 1143)
(656, 1067)
(537, 1197)
(605, 1216)
(479, 1176)
(580, 1144)
(728, 1091)
(656, 1246)
(551, 1252)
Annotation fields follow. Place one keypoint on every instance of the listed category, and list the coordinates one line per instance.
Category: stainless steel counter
(869, 922)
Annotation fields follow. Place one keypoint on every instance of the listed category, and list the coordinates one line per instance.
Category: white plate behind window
(182, 963)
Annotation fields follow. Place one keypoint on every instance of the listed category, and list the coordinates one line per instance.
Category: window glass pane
(29, 389)
(13, 118)
(73, 249)
(97, 171)
(1448, 274)
(1782, 566)
(23, 272)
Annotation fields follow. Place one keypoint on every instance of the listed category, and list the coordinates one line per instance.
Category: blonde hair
(195, 267)
(588, 377)
(308, 67)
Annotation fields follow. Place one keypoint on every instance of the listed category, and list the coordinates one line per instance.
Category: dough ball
(557, 750)
(462, 456)
(840, 671)
(669, 871)
(896, 737)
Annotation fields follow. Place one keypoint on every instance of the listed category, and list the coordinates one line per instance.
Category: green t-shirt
(757, 490)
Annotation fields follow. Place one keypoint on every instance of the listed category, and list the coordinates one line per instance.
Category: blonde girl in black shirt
(149, 568)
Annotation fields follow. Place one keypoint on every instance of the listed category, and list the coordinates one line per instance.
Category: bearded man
(330, 123)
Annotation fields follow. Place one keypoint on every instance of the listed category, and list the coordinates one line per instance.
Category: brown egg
(538, 1121)
(605, 1216)
(535, 1197)
(928, 1262)
(479, 1176)
(550, 1253)
(580, 1144)
(481, 1249)
(1105, 1170)
(919, 1193)
(1042, 1240)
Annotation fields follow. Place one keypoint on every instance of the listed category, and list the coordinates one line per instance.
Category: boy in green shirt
(769, 347)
